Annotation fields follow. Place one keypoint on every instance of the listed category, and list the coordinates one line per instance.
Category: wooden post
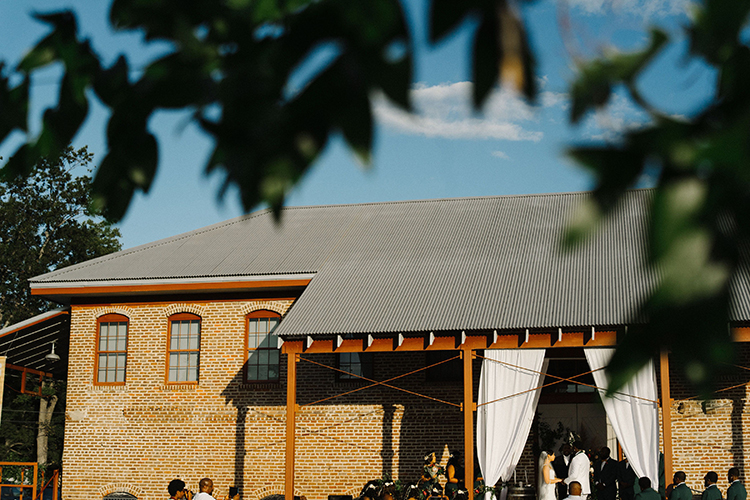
(292, 354)
(666, 415)
(468, 409)
(55, 483)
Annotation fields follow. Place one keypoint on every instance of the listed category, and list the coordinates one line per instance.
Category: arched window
(262, 353)
(183, 348)
(111, 349)
(120, 495)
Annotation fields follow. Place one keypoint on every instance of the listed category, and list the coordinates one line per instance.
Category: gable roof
(418, 266)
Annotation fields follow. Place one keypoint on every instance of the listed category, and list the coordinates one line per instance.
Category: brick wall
(137, 437)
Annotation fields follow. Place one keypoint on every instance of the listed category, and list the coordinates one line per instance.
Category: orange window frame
(255, 315)
(110, 319)
(183, 317)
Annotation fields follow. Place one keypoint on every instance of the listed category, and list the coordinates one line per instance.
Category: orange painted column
(292, 355)
(468, 408)
(666, 416)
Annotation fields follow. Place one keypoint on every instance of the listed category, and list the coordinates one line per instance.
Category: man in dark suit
(560, 464)
(736, 489)
(712, 491)
(626, 478)
(605, 476)
(678, 490)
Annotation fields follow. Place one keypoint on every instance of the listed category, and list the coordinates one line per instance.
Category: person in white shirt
(575, 491)
(206, 486)
(578, 469)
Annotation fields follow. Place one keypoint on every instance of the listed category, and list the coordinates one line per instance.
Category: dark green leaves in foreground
(699, 224)
(501, 46)
(239, 68)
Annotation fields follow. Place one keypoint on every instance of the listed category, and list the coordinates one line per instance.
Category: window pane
(183, 335)
(193, 359)
(102, 376)
(173, 360)
(273, 323)
(174, 337)
(102, 361)
(252, 372)
(273, 357)
(182, 375)
(262, 325)
(252, 341)
(183, 359)
(273, 373)
(173, 374)
(120, 375)
(122, 337)
(121, 360)
(194, 328)
(103, 337)
(262, 372)
(263, 357)
(194, 340)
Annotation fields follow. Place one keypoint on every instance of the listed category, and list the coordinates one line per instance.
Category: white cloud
(641, 8)
(619, 116)
(446, 111)
(501, 155)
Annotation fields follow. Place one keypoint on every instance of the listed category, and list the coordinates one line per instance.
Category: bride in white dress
(547, 479)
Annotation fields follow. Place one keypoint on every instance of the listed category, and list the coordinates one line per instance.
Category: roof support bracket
(429, 339)
(398, 341)
(523, 338)
(369, 340)
(338, 341)
(460, 339)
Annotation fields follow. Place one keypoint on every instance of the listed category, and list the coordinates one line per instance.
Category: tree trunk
(46, 407)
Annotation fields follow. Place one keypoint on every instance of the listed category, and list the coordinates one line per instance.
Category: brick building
(180, 350)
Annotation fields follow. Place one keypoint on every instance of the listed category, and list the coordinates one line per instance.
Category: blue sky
(444, 150)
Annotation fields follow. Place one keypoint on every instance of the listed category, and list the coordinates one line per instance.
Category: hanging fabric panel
(503, 426)
(635, 421)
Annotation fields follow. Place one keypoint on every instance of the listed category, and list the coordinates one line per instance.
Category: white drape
(635, 421)
(503, 426)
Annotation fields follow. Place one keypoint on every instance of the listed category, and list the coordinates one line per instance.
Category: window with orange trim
(262, 354)
(183, 348)
(111, 349)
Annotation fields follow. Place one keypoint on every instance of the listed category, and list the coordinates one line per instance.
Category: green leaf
(486, 65)
(615, 169)
(597, 78)
(14, 105)
(446, 16)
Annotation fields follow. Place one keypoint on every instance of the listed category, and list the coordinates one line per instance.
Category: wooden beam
(468, 409)
(666, 415)
(292, 350)
(541, 339)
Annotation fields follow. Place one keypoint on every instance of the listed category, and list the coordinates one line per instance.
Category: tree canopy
(47, 222)
(235, 63)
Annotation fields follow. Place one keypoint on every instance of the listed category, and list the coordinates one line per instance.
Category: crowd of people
(567, 475)
(572, 475)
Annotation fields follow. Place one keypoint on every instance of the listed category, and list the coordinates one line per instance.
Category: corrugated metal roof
(451, 264)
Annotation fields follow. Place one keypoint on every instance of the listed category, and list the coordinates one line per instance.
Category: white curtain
(635, 421)
(503, 427)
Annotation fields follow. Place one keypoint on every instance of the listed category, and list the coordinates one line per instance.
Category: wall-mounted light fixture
(52, 356)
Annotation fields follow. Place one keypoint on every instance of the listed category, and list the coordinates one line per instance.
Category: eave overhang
(64, 291)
